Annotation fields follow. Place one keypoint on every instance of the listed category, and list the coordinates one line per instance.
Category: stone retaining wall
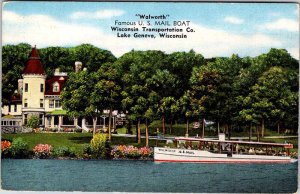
(15, 129)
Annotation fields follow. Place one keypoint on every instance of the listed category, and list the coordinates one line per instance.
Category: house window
(15, 108)
(25, 103)
(42, 88)
(55, 87)
(25, 119)
(57, 104)
(26, 87)
(41, 103)
(9, 108)
(51, 103)
(41, 119)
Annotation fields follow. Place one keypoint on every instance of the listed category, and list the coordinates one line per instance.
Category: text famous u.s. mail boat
(200, 150)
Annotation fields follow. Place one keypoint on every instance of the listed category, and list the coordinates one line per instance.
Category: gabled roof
(34, 65)
(61, 80)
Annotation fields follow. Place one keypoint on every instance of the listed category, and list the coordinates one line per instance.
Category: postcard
(177, 97)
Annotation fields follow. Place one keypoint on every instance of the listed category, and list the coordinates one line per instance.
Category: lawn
(292, 140)
(71, 140)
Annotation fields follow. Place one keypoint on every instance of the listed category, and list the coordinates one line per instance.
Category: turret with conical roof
(34, 65)
(34, 77)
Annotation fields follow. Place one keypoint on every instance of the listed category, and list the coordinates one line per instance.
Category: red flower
(5, 145)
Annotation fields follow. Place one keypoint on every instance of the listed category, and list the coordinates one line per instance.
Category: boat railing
(235, 147)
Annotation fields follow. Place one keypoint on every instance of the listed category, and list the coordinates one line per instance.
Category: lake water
(146, 176)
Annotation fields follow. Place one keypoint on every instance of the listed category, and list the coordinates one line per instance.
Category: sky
(221, 29)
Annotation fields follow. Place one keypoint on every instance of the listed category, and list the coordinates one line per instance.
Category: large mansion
(40, 96)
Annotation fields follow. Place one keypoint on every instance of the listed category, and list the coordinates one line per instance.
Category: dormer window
(56, 87)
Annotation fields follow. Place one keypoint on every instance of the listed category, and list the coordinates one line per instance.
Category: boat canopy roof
(285, 145)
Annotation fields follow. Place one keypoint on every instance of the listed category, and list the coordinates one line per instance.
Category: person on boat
(237, 147)
(251, 151)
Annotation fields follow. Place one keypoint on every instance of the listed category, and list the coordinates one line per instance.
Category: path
(172, 137)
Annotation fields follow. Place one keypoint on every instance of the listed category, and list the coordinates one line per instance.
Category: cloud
(101, 14)
(282, 24)
(294, 52)
(233, 20)
(43, 31)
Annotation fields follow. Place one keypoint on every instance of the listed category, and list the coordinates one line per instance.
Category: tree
(164, 84)
(204, 83)
(137, 67)
(75, 96)
(185, 105)
(272, 96)
(14, 58)
(92, 57)
(106, 93)
(57, 57)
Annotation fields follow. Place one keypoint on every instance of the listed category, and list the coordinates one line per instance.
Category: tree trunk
(278, 127)
(171, 125)
(163, 123)
(226, 129)
(139, 131)
(257, 132)
(203, 127)
(94, 125)
(147, 133)
(187, 127)
(262, 128)
(129, 128)
(109, 124)
(250, 132)
(218, 127)
(229, 132)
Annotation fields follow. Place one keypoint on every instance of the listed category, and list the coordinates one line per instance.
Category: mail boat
(222, 151)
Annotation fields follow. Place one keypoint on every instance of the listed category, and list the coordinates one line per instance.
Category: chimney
(20, 86)
(56, 72)
(78, 66)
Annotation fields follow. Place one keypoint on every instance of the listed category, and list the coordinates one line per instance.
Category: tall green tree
(14, 58)
(57, 57)
(106, 93)
(137, 67)
(75, 96)
(92, 57)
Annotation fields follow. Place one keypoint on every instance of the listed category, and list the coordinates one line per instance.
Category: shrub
(42, 151)
(87, 151)
(77, 130)
(19, 148)
(33, 122)
(64, 152)
(5, 149)
(100, 146)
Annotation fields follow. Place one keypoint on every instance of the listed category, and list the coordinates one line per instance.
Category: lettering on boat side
(166, 150)
(185, 152)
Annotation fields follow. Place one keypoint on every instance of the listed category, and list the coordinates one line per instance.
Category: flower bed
(131, 152)
(5, 145)
(42, 151)
(5, 148)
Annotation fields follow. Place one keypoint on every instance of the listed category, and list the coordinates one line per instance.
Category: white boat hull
(201, 156)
